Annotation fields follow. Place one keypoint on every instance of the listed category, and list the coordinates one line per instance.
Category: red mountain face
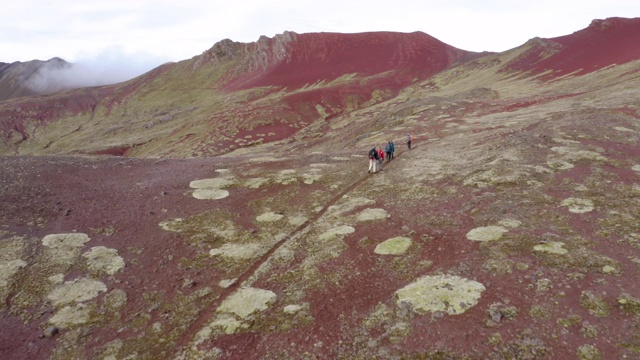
(603, 43)
(295, 60)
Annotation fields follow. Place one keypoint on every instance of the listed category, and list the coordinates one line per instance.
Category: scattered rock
(50, 331)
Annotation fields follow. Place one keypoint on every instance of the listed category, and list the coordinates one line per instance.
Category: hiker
(373, 160)
(380, 157)
(387, 150)
(409, 140)
(393, 149)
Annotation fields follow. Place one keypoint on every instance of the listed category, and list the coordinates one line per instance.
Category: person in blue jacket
(387, 150)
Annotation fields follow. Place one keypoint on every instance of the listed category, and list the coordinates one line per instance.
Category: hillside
(220, 208)
(25, 79)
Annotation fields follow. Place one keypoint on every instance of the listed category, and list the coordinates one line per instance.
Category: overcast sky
(138, 35)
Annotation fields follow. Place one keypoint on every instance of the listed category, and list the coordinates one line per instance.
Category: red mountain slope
(295, 60)
(603, 43)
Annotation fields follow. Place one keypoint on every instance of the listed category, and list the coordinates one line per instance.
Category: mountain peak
(296, 60)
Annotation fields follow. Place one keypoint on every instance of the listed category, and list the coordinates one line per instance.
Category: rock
(50, 331)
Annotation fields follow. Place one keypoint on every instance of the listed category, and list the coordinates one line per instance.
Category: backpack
(372, 153)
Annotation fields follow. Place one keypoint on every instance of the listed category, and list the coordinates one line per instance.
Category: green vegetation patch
(372, 215)
(78, 290)
(72, 315)
(596, 304)
(552, 247)
(214, 183)
(336, 231)
(210, 194)
(269, 217)
(486, 233)
(255, 183)
(393, 246)
(238, 251)
(246, 301)
(8, 269)
(65, 241)
(101, 259)
(571, 154)
(588, 352)
(629, 304)
(64, 249)
(432, 293)
(577, 205)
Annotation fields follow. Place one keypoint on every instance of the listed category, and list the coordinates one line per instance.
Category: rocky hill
(221, 208)
(20, 79)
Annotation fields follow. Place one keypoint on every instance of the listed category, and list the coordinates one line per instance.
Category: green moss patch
(78, 290)
(552, 247)
(588, 352)
(104, 260)
(577, 205)
(255, 183)
(210, 194)
(8, 269)
(451, 294)
(629, 304)
(69, 316)
(339, 230)
(393, 246)
(597, 305)
(269, 217)
(65, 241)
(372, 215)
(486, 233)
(246, 301)
(237, 251)
(214, 183)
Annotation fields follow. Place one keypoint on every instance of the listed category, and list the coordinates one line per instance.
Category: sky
(120, 39)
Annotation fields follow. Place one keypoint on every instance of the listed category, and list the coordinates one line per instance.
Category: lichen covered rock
(393, 246)
(448, 293)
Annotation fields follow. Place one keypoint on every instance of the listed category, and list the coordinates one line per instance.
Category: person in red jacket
(380, 157)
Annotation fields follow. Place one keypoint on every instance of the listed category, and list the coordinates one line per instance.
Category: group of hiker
(377, 155)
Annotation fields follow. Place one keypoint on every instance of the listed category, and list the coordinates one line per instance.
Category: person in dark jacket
(393, 149)
(387, 150)
(373, 160)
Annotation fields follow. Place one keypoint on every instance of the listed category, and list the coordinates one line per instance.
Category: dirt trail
(206, 314)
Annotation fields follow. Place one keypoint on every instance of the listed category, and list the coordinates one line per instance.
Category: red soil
(318, 57)
(603, 43)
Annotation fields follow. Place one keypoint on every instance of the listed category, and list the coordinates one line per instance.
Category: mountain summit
(296, 60)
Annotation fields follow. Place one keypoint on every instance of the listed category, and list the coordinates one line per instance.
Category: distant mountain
(25, 78)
